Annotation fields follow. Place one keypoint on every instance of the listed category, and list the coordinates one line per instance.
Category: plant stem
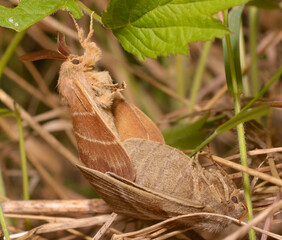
(23, 161)
(245, 80)
(253, 48)
(217, 131)
(240, 129)
(9, 51)
(2, 186)
(89, 11)
(23, 156)
(198, 76)
(180, 88)
(3, 224)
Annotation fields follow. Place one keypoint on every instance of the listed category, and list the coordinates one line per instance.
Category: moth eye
(75, 61)
(234, 199)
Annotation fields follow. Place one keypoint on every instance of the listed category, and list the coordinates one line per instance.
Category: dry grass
(50, 144)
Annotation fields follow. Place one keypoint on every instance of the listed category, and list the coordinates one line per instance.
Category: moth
(168, 183)
(101, 118)
(123, 154)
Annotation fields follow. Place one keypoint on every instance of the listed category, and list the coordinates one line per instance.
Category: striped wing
(98, 147)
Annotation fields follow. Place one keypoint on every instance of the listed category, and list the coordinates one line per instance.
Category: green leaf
(266, 4)
(234, 20)
(186, 136)
(74, 9)
(6, 113)
(29, 12)
(150, 28)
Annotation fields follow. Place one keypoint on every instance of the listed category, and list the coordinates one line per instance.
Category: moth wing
(98, 147)
(164, 169)
(131, 199)
(187, 202)
(131, 122)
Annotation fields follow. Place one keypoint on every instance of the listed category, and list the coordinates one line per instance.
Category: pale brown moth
(125, 158)
(168, 183)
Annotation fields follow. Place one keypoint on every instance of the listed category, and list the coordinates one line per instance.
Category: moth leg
(123, 86)
(212, 187)
(225, 187)
(115, 87)
(106, 100)
(195, 179)
(112, 85)
(103, 80)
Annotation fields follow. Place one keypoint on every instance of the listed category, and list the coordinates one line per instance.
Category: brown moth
(89, 96)
(101, 117)
(168, 183)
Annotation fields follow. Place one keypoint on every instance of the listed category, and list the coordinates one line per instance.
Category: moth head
(224, 197)
(92, 53)
(83, 63)
(241, 209)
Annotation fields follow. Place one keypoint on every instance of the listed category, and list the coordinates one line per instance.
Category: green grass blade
(9, 51)
(253, 47)
(3, 224)
(234, 19)
(264, 90)
(243, 117)
(233, 122)
(23, 160)
(198, 76)
(23, 155)
(6, 113)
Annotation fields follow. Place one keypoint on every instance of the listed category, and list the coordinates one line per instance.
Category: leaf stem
(9, 51)
(198, 76)
(89, 11)
(240, 129)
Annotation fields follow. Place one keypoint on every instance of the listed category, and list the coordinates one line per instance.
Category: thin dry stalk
(250, 171)
(56, 207)
(105, 227)
(148, 232)
(65, 225)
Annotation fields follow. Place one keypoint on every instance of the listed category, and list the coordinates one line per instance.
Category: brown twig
(56, 207)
